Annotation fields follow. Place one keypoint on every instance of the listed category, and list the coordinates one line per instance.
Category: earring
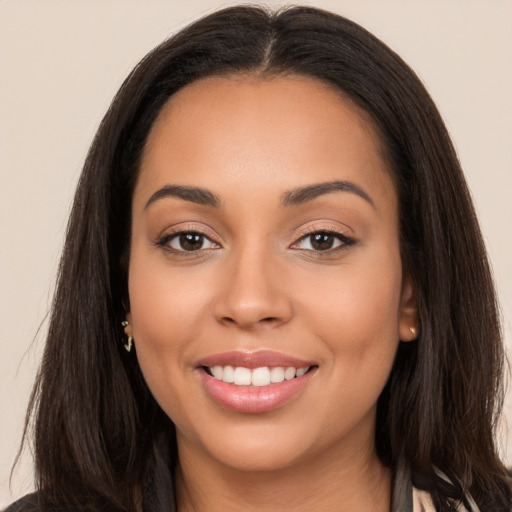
(128, 345)
(413, 332)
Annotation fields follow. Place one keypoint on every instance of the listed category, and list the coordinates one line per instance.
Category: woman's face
(265, 244)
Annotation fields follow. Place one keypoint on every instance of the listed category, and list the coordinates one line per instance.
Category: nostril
(266, 320)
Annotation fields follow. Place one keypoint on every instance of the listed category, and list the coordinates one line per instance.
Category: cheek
(356, 318)
(165, 308)
(165, 302)
(355, 312)
(356, 302)
(161, 315)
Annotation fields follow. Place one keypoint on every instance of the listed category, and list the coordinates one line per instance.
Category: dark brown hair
(95, 420)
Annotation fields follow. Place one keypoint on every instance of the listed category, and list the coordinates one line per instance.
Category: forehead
(225, 129)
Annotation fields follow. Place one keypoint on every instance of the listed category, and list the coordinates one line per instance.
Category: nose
(254, 292)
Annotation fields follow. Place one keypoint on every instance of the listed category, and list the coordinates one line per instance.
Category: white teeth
(228, 374)
(242, 376)
(263, 376)
(301, 371)
(289, 373)
(276, 375)
(260, 377)
(217, 372)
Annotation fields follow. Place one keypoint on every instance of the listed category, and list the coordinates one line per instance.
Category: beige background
(62, 61)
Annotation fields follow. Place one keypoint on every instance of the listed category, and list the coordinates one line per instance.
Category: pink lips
(252, 399)
(253, 359)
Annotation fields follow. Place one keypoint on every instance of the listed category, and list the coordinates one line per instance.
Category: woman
(273, 212)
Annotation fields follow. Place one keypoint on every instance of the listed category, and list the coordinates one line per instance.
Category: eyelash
(166, 240)
(345, 242)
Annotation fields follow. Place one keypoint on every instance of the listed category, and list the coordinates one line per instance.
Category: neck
(348, 481)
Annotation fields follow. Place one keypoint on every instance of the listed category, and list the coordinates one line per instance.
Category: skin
(256, 284)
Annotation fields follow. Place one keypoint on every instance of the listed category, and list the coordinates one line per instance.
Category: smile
(254, 382)
(263, 376)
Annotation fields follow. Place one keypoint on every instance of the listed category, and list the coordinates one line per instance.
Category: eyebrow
(294, 197)
(302, 195)
(196, 195)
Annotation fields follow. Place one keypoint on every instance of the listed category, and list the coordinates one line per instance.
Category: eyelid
(345, 235)
(323, 228)
(190, 227)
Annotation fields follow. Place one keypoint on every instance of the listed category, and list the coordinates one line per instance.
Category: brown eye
(190, 241)
(322, 241)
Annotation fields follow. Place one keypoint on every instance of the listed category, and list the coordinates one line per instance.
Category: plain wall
(61, 63)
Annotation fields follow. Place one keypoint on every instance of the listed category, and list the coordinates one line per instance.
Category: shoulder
(32, 503)
(422, 502)
(28, 503)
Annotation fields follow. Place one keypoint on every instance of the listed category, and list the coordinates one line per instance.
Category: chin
(258, 460)
(254, 448)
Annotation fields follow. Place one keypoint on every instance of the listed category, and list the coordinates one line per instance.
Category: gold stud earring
(128, 345)
(413, 332)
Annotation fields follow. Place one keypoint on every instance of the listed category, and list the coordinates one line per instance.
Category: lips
(253, 360)
(254, 382)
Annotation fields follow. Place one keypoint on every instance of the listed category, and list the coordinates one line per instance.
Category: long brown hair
(95, 420)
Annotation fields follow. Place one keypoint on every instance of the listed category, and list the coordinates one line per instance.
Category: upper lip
(253, 360)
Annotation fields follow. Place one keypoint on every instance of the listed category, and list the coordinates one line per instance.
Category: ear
(409, 318)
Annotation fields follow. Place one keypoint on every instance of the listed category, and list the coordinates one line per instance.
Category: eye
(322, 241)
(188, 241)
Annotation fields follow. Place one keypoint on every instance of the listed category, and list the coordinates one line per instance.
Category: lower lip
(254, 399)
